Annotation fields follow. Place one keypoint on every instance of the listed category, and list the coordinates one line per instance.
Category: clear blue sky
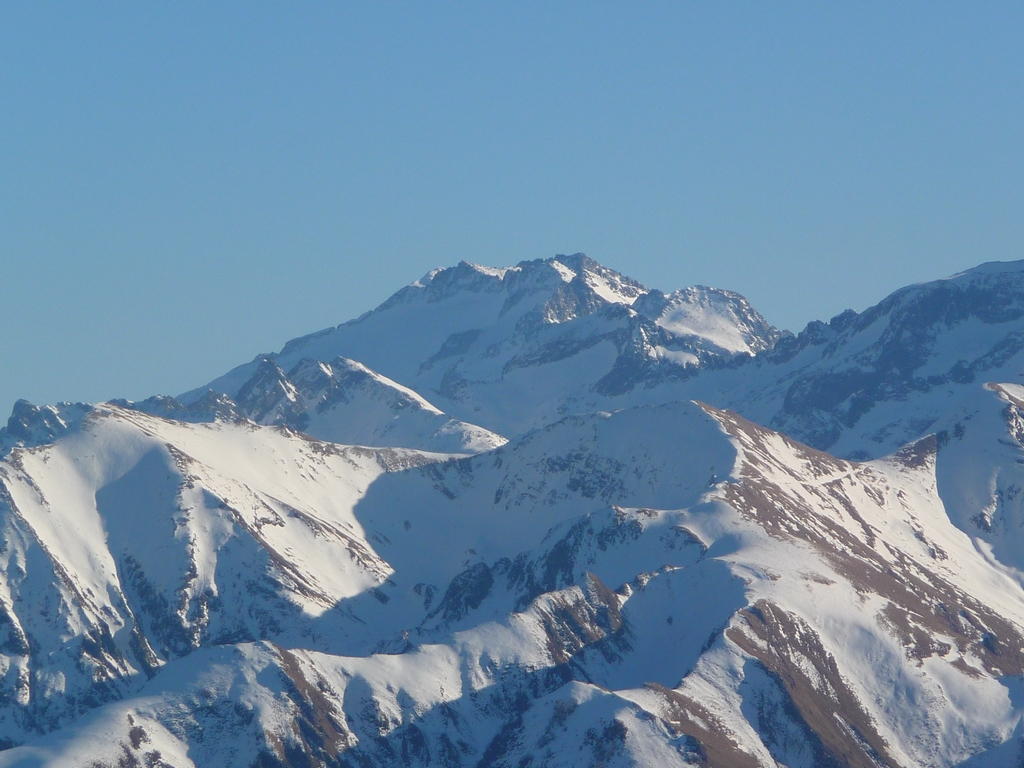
(184, 185)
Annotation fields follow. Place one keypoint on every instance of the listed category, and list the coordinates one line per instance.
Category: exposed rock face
(231, 579)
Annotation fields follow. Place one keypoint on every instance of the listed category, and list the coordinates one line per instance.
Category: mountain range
(539, 515)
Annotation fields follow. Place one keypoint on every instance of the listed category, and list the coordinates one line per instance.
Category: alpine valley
(537, 516)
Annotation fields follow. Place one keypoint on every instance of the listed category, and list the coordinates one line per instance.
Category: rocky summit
(538, 515)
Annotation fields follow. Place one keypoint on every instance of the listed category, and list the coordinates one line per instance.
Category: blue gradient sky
(184, 185)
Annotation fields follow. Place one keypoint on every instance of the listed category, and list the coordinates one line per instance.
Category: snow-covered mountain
(513, 348)
(306, 563)
(889, 374)
(132, 540)
(341, 402)
(717, 320)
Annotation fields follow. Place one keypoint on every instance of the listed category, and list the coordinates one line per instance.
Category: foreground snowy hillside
(320, 559)
(665, 585)
(132, 540)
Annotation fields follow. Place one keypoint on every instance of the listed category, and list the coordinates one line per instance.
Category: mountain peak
(723, 318)
(484, 343)
(31, 425)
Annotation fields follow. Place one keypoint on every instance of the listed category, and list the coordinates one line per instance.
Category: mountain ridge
(512, 377)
